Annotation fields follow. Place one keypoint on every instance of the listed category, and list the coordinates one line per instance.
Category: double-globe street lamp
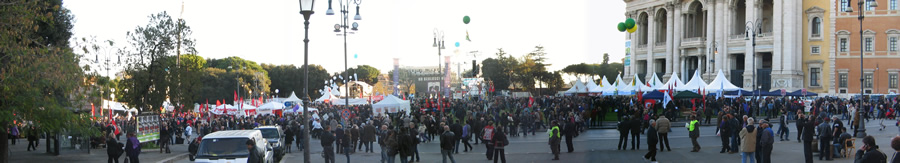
(862, 92)
(306, 8)
(753, 30)
(345, 12)
(439, 44)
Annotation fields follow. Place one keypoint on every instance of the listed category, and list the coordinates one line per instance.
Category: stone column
(669, 36)
(778, 33)
(677, 34)
(651, 24)
(710, 10)
(721, 36)
(752, 9)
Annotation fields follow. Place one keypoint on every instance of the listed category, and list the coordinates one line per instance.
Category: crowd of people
(744, 125)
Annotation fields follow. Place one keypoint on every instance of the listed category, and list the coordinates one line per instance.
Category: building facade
(818, 57)
(735, 36)
(879, 70)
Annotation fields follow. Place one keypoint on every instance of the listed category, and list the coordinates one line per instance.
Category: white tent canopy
(604, 83)
(695, 83)
(292, 98)
(353, 101)
(721, 83)
(637, 85)
(578, 87)
(115, 106)
(654, 81)
(673, 81)
(618, 88)
(591, 85)
(390, 104)
(271, 106)
(327, 96)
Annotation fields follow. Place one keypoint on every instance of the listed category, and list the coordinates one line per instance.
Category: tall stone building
(879, 44)
(708, 35)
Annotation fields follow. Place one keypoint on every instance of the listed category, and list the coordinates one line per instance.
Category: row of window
(845, 4)
(867, 79)
(869, 44)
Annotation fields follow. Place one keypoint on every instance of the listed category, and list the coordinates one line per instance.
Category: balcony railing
(692, 39)
(660, 44)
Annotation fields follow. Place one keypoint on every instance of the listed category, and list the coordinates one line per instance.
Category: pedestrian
(651, 141)
(457, 129)
(188, 131)
(663, 127)
(487, 136)
(555, 139)
(113, 148)
(807, 134)
(724, 132)
(253, 153)
(288, 139)
(299, 132)
(694, 133)
(766, 142)
(368, 136)
(800, 118)
(465, 138)
(825, 134)
(869, 153)
(895, 144)
(447, 144)
(635, 126)
(327, 140)
(354, 138)
(339, 137)
(748, 142)
(500, 142)
(14, 133)
(132, 148)
(347, 143)
(32, 139)
(570, 132)
(784, 132)
(413, 143)
(164, 138)
(623, 133)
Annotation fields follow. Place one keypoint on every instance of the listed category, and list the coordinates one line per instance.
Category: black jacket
(327, 139)
(652, 138)
(873, 155)
(570, 131)
(447, 139)
(254, 156)
(113, 148)
(808, 128)
(457, 131)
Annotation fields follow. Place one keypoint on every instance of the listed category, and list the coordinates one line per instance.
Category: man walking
(663, 127)
(570, 132)
(825, 134)
(765, 143)
(623, 133)
(807, 135)
(327, 140)
(783, 132)
(651, 141)
(694, 133)
(447, 139)
(488, 135)
(555, 139)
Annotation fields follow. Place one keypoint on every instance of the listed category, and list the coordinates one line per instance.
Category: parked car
(230, 147)
(275, 136)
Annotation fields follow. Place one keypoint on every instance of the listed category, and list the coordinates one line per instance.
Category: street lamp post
(439, 44)
(345, 12)
(753, 30)
(862, 92)
(713, 51)
(306, 8)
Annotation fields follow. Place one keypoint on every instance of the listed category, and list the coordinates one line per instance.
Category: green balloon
(629, 23)
(466, 19)
(621, 27)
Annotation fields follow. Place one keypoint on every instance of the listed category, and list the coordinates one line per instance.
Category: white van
(230, 147)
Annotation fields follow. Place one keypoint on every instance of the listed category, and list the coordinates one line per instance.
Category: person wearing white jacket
(187, 132)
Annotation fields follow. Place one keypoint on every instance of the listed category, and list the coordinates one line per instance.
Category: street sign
(803, 92)
(783, 92)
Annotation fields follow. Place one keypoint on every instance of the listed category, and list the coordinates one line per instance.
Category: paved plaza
(597, 145)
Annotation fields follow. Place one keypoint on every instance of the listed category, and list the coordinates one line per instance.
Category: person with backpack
(499, 141)
(487, 137)
(113, 149)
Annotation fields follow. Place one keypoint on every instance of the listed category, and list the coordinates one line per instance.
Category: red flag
(235, 96)
(92, 109)
(116, 126)
(241, 101)
(530, 101)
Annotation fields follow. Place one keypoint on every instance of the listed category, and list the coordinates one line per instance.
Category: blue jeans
(784, 132)
(745, 155)
(446, 153)
(837, 151)
(734, 142)
(384, 156)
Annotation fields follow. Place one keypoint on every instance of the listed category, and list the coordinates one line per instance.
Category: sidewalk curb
(175, 158)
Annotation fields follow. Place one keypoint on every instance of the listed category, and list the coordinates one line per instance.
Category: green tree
(289, 78)
(233, 63)
(499, 69)
(406, 80)
(148, 76)
(365, 73)
(40, 79)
